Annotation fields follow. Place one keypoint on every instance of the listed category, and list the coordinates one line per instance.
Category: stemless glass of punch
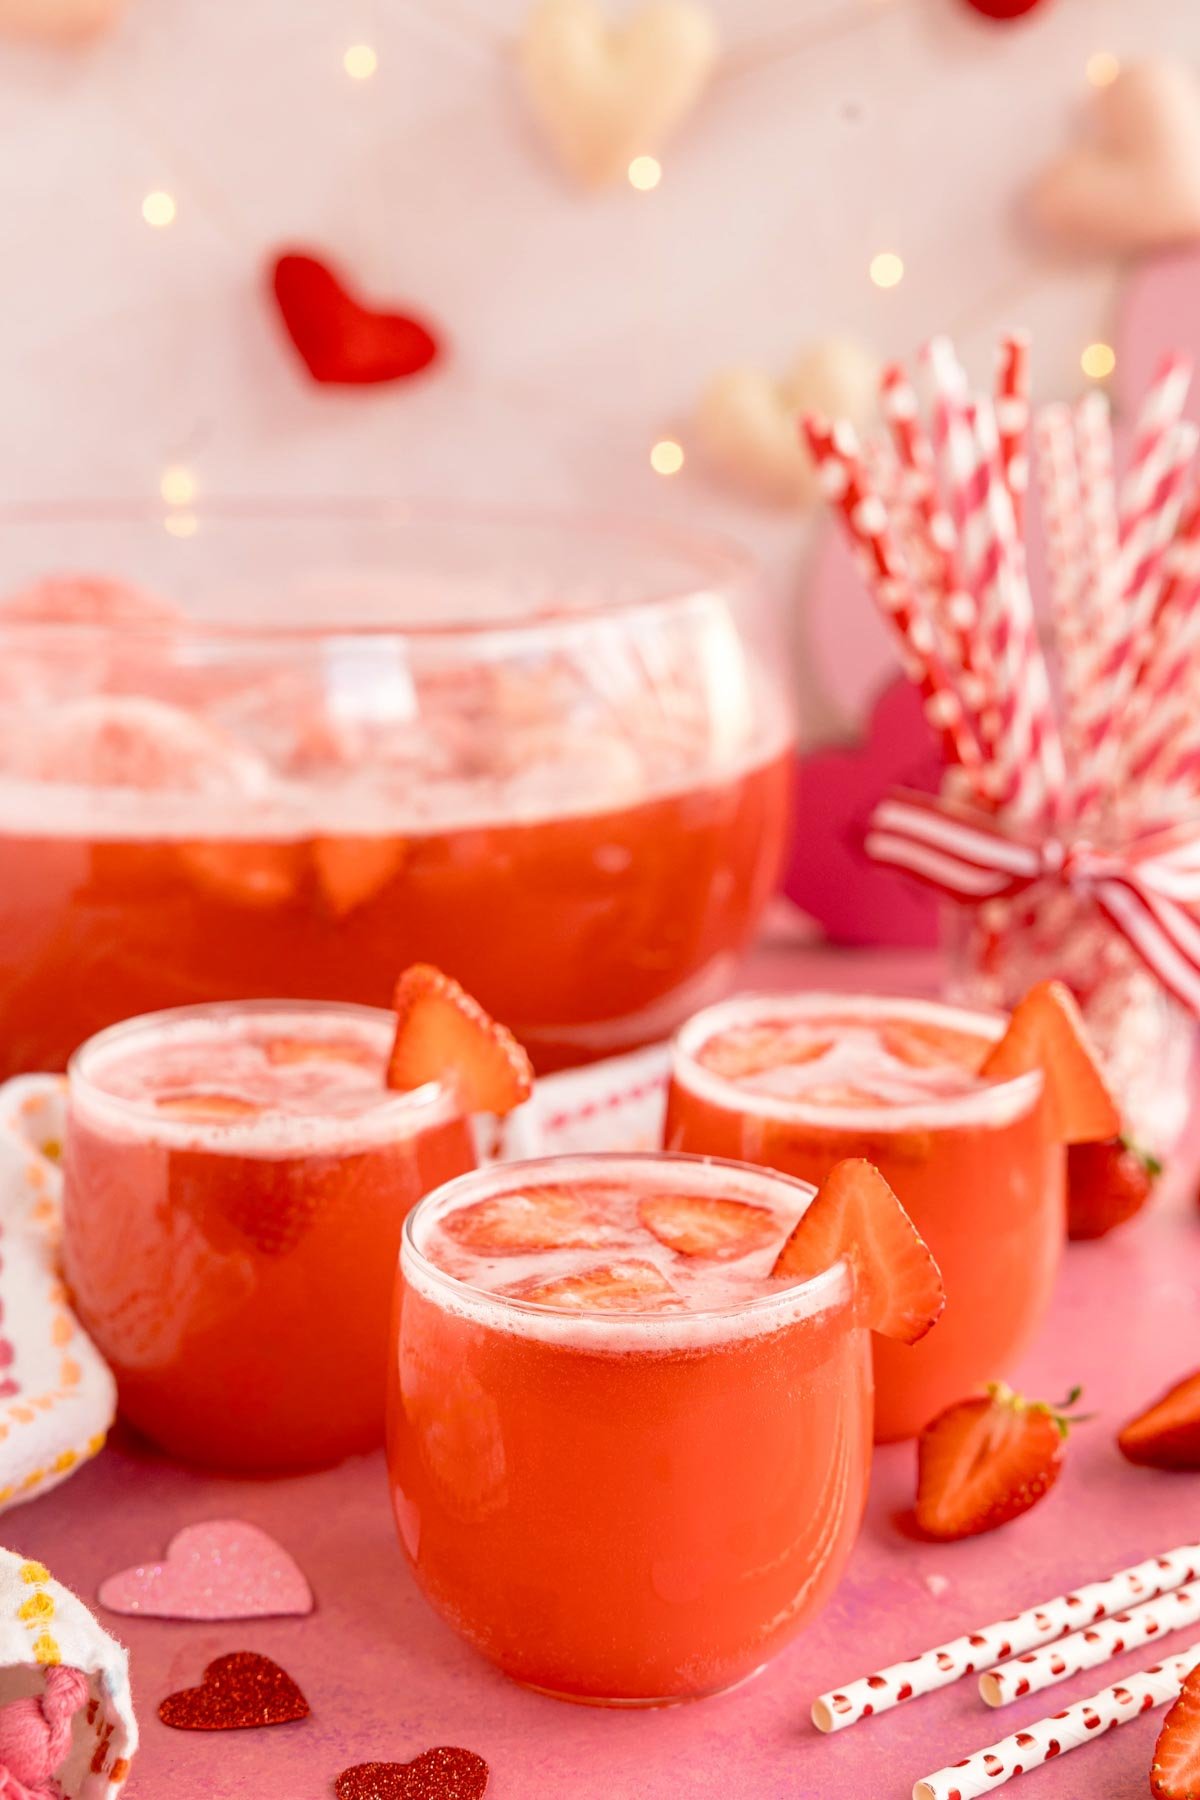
(977, 1158)
(629, 1451)
(236, 1177)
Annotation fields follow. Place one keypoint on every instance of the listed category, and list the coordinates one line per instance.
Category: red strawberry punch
(257, 1158)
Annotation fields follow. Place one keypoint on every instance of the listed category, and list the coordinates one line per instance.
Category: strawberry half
(1107, 1184)
(1167, 1434)
(987, 1460)
(632, 1286)
(855, 1217)
(695, 1226)
(1047, 1032)
(444, 1035)
(1175, 1771)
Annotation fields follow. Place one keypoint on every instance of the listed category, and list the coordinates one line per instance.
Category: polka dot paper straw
(986, 1770)
(1086, 1649)
(991, 1644)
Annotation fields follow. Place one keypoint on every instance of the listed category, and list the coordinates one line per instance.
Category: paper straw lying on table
(1039, 1669)
(976, 1650)
(1079, 1724)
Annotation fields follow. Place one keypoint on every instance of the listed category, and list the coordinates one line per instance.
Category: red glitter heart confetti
(442, 1774)
(341, 341)
(240, 1690)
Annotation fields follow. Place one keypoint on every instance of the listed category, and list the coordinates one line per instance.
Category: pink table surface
(386, 1680)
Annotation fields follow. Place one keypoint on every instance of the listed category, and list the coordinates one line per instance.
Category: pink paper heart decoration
(1134, 183)
(223, 1569)
(829, 875)
(747, 419)
(62, 19)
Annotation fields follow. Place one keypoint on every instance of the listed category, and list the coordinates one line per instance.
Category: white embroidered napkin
(57, 1397)
(44, 1627)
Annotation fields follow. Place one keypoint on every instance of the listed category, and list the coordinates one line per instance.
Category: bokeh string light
(886, 269)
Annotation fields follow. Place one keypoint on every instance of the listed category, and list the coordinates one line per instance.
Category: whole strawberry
(987, 1460)
(1107, 1183)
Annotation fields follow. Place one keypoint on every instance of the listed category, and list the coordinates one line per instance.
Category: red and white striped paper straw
(1012, 417)
(1068, 1730)
(953, 606)
(1161, 410)
(838, 460)
(990, 1644)
(1162, 696)
(1092, 423)
(1035, 767)
(1130, 605)
(1060, 488)
(1086, 1649)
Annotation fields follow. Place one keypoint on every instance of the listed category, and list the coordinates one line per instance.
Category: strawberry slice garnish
(1047, 1032)
(544, 1218)
(444, 1035)
(856, 1218)
(987, 1460)
(632, 1286)
(1107, 1183)
(207, 1109)
(1167, 1434)
(1175, 1771)
(696, 1226)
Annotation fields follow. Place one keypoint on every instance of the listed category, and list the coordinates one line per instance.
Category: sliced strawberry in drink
(856, 1218)
(442, 1034)
(207, 1109)
(1047, 1032)
(248, 874)
(922, 1044)
(696, 1226)
(631, 1286)
(284, 1051)
(752, 1049)
(87, 600)
(987, 1460)
(1167, 1434)
(1175, 1770)
(353, 870)
(544, 1218)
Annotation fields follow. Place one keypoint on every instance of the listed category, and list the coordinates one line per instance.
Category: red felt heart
(238, 1690)
(342, 341)
(1003, 9)
(442, 1774)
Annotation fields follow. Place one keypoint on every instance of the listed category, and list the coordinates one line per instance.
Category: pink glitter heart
(223, 1569)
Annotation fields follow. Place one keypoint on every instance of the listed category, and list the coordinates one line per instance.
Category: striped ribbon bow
(1148, 887)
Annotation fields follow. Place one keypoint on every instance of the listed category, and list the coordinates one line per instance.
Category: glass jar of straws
(1067, 840)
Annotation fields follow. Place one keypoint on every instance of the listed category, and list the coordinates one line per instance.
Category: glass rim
(433, 1097)
(936, 1112)
(717, 563)
(826, 1289)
